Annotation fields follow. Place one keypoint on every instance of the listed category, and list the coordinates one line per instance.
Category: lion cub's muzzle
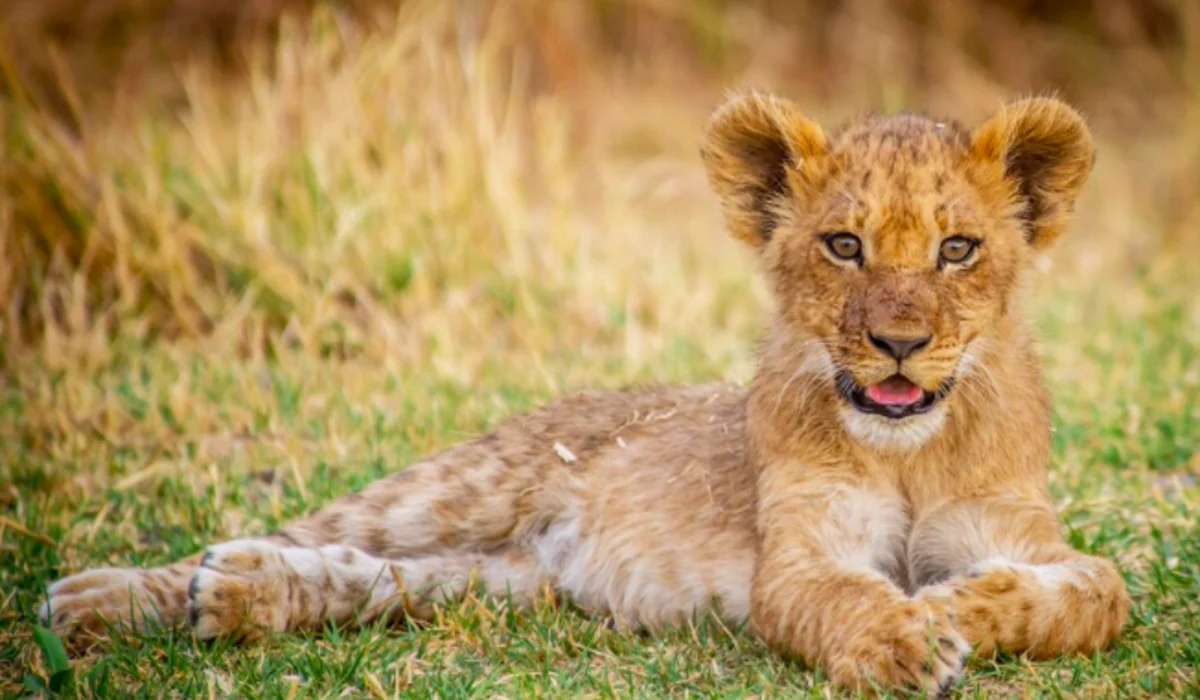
(895, 397)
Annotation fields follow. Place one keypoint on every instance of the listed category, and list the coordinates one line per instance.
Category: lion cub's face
(894, 245)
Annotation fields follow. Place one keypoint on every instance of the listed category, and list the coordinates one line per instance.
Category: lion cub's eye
(845, 246)
(957, 250)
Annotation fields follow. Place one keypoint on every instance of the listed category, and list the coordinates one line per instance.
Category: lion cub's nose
(899, 348)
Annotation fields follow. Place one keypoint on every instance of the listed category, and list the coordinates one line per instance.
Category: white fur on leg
(1052, 577)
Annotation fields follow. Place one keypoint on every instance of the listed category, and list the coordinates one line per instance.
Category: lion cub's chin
(892, 434)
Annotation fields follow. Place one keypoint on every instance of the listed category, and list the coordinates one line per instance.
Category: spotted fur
(878, 549)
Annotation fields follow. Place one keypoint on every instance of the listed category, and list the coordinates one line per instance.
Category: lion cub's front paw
(914, 645)
(240, 590)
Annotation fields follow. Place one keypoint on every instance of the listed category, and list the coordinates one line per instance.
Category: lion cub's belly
(647, 574)
(658, 526)
(653, 548)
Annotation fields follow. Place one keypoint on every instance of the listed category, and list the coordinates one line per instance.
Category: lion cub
(875, 504)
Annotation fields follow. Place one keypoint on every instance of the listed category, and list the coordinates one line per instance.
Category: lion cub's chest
(866, 531)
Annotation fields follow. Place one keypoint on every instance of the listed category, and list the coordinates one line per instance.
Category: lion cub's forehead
(900, 182)
(905, 155)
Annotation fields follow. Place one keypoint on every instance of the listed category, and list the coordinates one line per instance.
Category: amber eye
(957, 250)
(845, 246)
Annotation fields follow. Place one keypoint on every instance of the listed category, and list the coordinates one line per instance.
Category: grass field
(227, 304)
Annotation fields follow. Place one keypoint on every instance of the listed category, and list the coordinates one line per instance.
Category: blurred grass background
(255, 253)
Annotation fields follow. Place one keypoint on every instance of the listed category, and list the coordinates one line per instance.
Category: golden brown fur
(877, 548)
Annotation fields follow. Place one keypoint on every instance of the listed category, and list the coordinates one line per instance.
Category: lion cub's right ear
(754, 149)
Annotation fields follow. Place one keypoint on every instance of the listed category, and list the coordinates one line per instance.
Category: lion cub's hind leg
(466, 497)
(247, 588)
(93, 600)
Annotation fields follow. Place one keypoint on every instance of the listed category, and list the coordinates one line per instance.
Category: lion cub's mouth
(894, 397)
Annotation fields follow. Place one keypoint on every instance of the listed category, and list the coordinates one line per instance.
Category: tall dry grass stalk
(457, 184)
(400, 193)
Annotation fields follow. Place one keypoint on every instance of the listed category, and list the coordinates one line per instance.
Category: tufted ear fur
(1046, 152)
(750, 145)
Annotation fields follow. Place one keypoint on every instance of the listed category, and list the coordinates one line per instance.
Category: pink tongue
(895, 391)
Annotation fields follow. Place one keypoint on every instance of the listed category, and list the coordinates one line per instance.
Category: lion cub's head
(894, 244)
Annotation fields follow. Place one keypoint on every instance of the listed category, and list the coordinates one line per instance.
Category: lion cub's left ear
(754, 149)
(1046, 152)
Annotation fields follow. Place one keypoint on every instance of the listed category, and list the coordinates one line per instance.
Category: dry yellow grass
(233, 298)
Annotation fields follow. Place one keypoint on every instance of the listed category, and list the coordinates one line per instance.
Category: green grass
(226, 311)
(280, 437)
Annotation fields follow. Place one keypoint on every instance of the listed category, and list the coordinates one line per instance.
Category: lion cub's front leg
(821, 592)
(1014, 584)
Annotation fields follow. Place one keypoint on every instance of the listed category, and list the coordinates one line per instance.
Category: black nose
(898, 348)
